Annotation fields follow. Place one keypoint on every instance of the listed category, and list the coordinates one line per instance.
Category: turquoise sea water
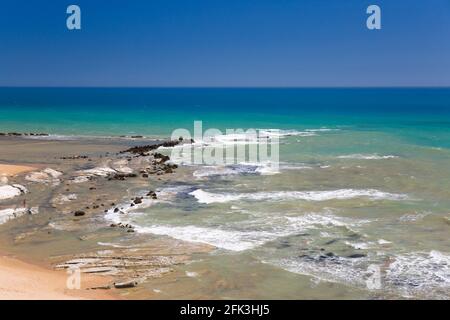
(364, 184)
(422, 115)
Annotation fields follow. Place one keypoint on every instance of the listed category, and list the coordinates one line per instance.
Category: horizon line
(225, 87)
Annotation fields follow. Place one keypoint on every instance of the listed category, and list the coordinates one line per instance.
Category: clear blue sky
(225, 43)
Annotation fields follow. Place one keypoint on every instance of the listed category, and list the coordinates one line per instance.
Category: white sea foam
(54, 137)
(286, 133)
(359, 156)
(229, 237)
(417, 274)
(246, 138)
(359, 245)
(191, 274)
(337, 269)
(211, 171)
(313, 220)
(322, 130)
(11, 191)
(114, 245)
(246, 168)
(13, 213)
(229, 240)
(8, 214)
(413, 217)
(239, 240)
(340, 194)
(382, 241)
(420, 272)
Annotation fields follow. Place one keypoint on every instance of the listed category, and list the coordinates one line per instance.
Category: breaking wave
(340, 194)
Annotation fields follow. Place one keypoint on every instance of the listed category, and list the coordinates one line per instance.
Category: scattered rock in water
(357, 255)
(137, 200)
(162, 158)
(79, 213)
(73, 157)
(143, 150)
(331, 241)
(18, 134)
(283, 244)
(121, 176)
(152, 194)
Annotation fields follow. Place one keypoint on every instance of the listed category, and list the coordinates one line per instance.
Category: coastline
(120, 210)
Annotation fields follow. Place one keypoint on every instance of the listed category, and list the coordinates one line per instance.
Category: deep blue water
(157, 111)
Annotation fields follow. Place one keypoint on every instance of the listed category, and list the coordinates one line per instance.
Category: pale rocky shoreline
(53, 210)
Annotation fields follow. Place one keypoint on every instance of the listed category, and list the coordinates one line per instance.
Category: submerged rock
(79, 213)
(46, 176)
(357, 255)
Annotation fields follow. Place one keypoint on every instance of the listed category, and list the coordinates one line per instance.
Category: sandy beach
(12, 170)
(25, 281)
